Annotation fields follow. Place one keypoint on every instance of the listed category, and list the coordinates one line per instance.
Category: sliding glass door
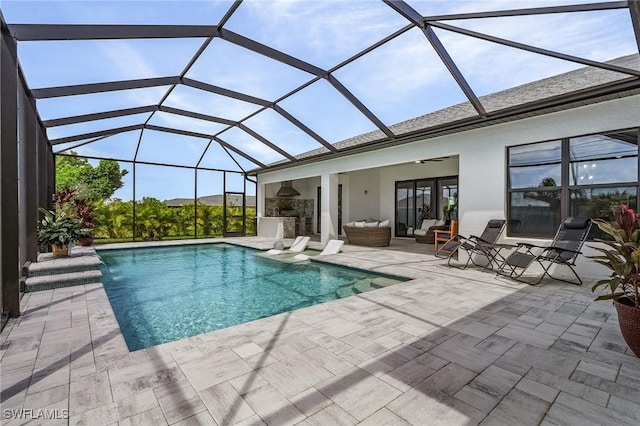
(435, 198)
(405, 207)
(448, 190)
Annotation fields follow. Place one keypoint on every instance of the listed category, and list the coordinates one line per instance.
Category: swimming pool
(163, 294)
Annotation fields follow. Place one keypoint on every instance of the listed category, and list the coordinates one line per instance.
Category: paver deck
(448, 347)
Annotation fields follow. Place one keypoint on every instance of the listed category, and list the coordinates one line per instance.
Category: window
(580, 176)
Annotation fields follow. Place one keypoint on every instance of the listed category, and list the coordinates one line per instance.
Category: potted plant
(58, 231)
(622, 257)
(87, 215)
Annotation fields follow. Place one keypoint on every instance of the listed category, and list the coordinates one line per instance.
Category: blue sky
(398, 81)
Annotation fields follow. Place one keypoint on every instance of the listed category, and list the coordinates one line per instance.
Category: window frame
(565, 188)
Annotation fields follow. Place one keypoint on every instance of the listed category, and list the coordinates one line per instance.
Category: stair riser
(50, 272)
(54, 285)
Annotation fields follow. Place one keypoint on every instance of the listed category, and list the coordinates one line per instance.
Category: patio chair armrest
(482, 241)
(530, 246)
(504, 245)
(562, 250)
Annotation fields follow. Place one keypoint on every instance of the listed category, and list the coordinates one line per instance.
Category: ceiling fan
(431, 159)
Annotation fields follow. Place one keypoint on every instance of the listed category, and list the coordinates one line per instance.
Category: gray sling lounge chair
(484, 245)
(564, 250)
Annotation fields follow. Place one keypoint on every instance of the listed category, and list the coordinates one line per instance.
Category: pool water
(163, 294)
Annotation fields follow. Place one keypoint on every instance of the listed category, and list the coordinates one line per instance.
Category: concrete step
(50, 266)
(68, 279)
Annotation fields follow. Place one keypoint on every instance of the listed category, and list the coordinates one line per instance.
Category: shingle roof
(572, 81)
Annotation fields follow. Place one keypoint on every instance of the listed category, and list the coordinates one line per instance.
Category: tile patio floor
(448, 347)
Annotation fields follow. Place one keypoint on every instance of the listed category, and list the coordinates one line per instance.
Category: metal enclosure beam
(453, 70)
(224, 92)
(90, 135)
(529, 11)
(98, 116)
(538, 50)
(270, 52)
(414, 17)
(9, 224)
(111, 86)
(303, 127)
(197, 115)
(230, 147)
(359, 105)
(48, 32)
(634, 10)
(198, 135)
(44, 151)
(405, 10)
(27, 179)
(267, 142)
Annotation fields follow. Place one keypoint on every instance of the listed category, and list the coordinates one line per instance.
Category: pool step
(381, 282)
(345, 291)
(363, 286)
(49, 266)
(68, 279)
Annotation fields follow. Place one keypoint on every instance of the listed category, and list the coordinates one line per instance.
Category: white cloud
(324, 32)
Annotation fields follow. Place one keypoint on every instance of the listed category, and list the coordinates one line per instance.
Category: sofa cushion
(420, 232)
(351, 224)
(371, 224)
(428, 223)
(384, 223)
(359, 224)
(440, 222)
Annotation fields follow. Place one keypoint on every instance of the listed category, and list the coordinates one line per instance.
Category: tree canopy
(91, 183)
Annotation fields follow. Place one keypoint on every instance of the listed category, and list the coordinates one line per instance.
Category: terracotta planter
(629, 320)
(86, 241)
(60, 251)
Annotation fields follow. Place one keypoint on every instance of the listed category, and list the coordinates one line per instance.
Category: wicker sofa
(429, 236)
(369, 236)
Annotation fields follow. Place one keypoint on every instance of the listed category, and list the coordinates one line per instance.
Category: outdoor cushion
(420, 232)
(352, 223)
(371, 224)
(359, 224)
(440, 222)
(428, 223)
(384, 223)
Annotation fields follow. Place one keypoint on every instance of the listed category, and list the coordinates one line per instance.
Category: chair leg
(466, 265)
(517, 277)
(546, 272)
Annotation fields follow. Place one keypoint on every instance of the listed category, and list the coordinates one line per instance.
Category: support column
(329, 207)
(27, 178)
(51, 178)
(42, 169)
(9, 237)
(260, 199)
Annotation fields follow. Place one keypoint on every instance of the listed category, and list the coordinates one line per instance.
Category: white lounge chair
(298, 245)
(332, 247)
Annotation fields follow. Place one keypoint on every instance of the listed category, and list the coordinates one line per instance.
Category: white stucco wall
(361, 205)
(481, 156)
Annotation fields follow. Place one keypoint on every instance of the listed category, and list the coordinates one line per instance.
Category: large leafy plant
(58, 229)
(622, 257)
